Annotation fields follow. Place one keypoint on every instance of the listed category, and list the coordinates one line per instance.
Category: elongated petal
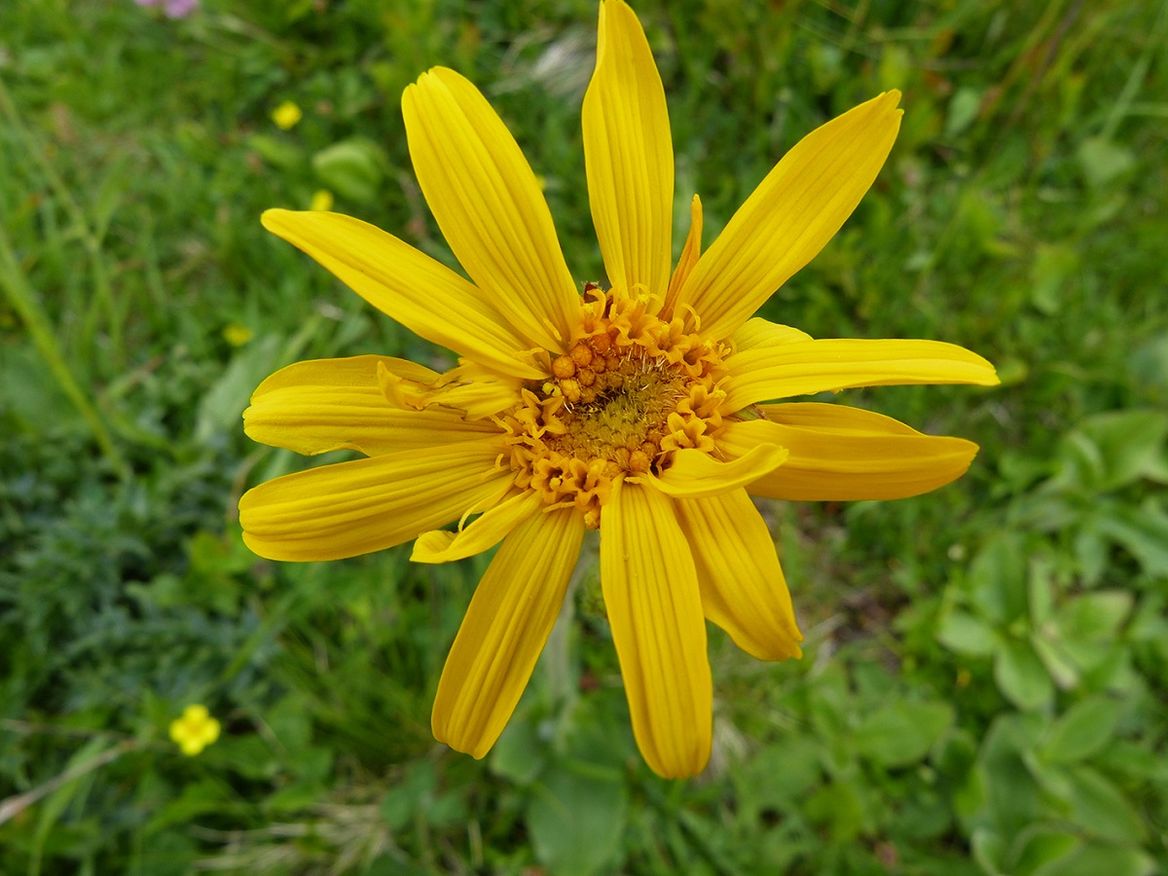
(353, 508)
(840, 453)
(628, 155)
(332, 404)
(654, 606)
(422, 294)
(695, 474)
(757, 332)
(440, 546)
(690, 253)
(792, 214)
(804, 367)
(506, 626)
(743, 588)
(489, 205)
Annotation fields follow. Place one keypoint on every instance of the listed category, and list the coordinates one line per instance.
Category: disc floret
(630, 391)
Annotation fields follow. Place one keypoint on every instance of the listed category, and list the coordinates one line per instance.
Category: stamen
(631, 390)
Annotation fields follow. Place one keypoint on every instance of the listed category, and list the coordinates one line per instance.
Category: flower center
(631, 391)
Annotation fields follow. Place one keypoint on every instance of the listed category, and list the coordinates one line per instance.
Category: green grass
(987, 667)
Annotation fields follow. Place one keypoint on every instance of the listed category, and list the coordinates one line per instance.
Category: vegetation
(986, 675)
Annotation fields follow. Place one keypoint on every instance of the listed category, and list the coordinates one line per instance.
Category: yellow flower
(287, 115)
(195, 730)
(638, 409)
(322, 200)
(236, 334)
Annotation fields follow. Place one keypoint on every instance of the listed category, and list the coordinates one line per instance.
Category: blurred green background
(986, 673)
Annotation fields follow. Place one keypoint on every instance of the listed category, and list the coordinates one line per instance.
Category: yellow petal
(840, 453)
(758, 332)
(422, 294)
(654, 607)
(804, 367)
(743, 588)
(688, 258)
(440, 546)
(489, 206)
(353, 508)
(506, 626)
(695, 474)
(628, 155)
(332, 404)
(792, 214)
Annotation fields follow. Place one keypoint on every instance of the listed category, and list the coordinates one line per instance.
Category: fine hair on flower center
(629, 392)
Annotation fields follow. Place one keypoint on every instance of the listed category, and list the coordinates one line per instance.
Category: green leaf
(277, 151)
(520, 754)
(412, 793)
(1022, 677)
(1143, 531)
(778, 776)
(965, 634)
(1112, 450)
(1038, 846)
(1085, 728)
(353, 168)
(576, 820)
(997, 579)
(1053, 269)
(1099, 807)
(1104, 160)
(902, 733)
(1097, 859)
(1093, 617)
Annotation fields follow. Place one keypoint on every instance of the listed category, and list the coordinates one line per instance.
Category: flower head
(638, 408)
(287, 115)
(194, 730)
(172, 8)
(322, 200)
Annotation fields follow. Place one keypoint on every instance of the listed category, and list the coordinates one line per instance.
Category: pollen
(631, 390)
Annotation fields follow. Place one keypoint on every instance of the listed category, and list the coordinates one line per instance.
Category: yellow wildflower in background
(322, 200)
(195, 730)
(287, 115)
(237, 334)
(639, 410)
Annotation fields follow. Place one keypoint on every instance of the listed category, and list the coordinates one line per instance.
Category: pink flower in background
(172, 8)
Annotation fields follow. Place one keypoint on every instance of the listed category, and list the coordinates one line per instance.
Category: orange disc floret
(631, 391)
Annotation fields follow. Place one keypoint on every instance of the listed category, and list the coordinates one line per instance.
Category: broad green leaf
(779, 775)
(410, 794)
(1143, 531)
(1098, 859)
(902, 733)
(1037, 846)
(353, 168)
(1022, 677)
(1082, 731)
(1093, 617)
(1114, 449)
(1100, 808)
(576, 820)
(966, 634)
(1040, 588)
(1053, 269)
(1059, 661)
(988, 849)
(997, 579)
(520, 754)
(1104, 160)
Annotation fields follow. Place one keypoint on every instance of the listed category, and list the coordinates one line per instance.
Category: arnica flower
(194, 730)
(639, 409)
